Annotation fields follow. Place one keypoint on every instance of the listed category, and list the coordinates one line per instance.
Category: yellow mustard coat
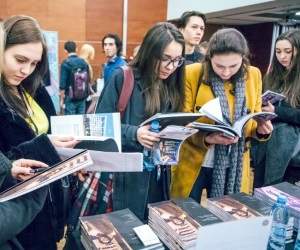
(193, 150)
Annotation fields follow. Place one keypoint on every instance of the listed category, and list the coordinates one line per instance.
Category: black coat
(16, 214)
(48, 225)
(271, 158)
(131, 190)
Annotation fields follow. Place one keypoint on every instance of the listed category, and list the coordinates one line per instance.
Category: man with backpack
(74, 82)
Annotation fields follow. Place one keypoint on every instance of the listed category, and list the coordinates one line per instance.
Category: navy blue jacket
(66, 71)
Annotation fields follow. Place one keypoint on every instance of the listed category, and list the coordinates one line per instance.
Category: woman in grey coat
(271, 158)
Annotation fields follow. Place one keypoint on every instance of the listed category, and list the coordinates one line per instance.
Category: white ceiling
(274, 11)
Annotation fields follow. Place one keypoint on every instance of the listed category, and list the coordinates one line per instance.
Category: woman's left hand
(264, 127)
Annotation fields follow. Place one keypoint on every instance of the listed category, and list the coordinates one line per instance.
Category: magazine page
(49, 175)
(177, 132)
(102, 233)
(240, 123)
(177, 118)
(108, 161)
(272, 97)
(166, 152)
(212, 109)
(227, 131)
(88, 126)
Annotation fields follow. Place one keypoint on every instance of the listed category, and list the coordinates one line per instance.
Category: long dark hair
(22, 30)
(147, 62)
(224, 41)
(282, 79)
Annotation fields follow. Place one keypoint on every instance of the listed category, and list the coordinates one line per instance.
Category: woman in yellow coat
(210, 160)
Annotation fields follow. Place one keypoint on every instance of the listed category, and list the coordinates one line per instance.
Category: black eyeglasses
(177, 62)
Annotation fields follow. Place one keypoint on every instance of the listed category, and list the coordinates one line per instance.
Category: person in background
(87, 53)
(203, 46)
(158, 87)
(271, 158)
(68, 105)
(220, 164)
(25, 109)
(192, 26)
(112, 47)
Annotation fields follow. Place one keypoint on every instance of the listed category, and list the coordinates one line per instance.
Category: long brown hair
(22, 30)
(224, 41)
(282, 79)
(147, 61)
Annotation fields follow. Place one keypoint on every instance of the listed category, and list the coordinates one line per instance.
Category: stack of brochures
(292, 192)
(242, 206)
(115, 230)
(176, 222)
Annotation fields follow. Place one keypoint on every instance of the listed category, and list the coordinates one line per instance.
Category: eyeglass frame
(168, 61)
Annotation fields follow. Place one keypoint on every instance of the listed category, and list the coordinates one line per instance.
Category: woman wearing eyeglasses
(210, 160)
(158, 87)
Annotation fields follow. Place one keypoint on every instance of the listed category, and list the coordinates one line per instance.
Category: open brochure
(272, 97)
(184, 118)
(108, 161)
(88, 126)
(221, 126)
(49, 175)
(166, 151)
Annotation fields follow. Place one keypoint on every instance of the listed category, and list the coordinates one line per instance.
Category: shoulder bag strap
(127, 89)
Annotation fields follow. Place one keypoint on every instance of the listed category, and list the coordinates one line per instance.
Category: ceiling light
(297, 13)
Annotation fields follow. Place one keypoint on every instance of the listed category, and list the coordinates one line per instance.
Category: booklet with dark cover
(49, 175)
(272, 97)
(200, 214)
(113, 231)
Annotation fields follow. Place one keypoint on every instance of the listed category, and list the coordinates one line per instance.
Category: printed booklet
(272, 97)
(221, 125)
(166, 151)
(184, 118)
(49, 175)
(94, 127)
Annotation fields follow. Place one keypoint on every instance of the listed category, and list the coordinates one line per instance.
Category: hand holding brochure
(272, 97)
(88, 127)
(49, 175)
(166, 152)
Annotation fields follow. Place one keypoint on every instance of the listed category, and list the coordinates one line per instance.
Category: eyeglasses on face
(176, 62)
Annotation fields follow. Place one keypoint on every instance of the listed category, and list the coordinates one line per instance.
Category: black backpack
(79, 88)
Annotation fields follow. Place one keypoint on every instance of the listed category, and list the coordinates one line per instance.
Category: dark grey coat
(18, 213)
(271, 158)
(131, 190)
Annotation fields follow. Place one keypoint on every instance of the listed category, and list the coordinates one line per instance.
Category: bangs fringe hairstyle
(148, 61)
(286, 80)
(22, 30)
(222, 42)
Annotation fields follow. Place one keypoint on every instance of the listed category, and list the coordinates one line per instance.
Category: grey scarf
(230, 157)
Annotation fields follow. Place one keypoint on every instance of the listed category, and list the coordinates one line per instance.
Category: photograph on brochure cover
(49, 175)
